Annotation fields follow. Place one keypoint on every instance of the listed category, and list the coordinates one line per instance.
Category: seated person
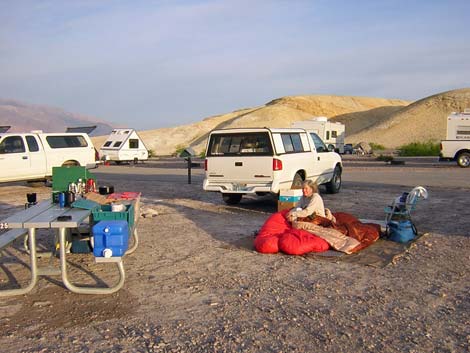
(310, 204)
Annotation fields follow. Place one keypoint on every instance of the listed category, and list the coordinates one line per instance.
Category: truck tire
(71, 164)
(297, 182)
(232, 199)
(334, 185)
(463, 159)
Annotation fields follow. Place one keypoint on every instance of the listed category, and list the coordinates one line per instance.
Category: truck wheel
(463, 159)
(334, 185)
(71, 164)
(297, 182)
(232, 199)
(136, 160)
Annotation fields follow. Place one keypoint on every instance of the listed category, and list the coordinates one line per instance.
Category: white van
(31, 156)
(124, 145)
(265, 160)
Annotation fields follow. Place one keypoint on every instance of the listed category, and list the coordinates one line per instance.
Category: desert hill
(423, 120)
(280, 112)
(24, 117)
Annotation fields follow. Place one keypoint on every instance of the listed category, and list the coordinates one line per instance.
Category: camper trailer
(124, 145)
(331, 133)
(456, 146)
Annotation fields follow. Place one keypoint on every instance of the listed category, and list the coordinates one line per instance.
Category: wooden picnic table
(45, 215)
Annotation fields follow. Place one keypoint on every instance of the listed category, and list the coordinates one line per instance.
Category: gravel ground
(195, 284)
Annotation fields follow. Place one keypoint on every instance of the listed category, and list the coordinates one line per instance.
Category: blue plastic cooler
(111, 238)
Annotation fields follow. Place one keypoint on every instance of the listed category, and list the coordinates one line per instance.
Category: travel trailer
(124, 145)
(331, 133)
(456, 146)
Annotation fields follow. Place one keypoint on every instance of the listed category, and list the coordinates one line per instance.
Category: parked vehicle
(456, 146)
(330, 132)
(124, 145)
(348, 148)
(31, 156)
(265, 160)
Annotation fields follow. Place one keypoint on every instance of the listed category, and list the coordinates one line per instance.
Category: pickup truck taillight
(205, 164)
(277, 164)
(440, 146)
(97, 155)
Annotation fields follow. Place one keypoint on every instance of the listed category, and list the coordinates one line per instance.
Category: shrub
(376, 146)
(385, 158)
(179, 149)
(429, 148)
(202, 154)
(151, 153)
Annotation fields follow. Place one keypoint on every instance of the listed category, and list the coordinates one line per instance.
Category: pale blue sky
(150, 64)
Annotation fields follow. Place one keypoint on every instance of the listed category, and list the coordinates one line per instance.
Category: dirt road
(196, 285)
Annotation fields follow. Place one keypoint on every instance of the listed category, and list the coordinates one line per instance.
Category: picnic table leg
(33, 268)
(85, 290)
(136, 243)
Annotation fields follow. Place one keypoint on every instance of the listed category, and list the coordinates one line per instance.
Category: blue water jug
(401, 231)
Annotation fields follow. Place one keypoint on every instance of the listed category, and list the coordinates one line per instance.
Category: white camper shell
(330, 132)
(124, 145)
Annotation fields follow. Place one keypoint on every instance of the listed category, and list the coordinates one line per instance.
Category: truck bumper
(230, 187)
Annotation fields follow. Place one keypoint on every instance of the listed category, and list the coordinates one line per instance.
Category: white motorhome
(456, 146)
(124, 145)
(265, 160)
(31, 156)
(330, 132)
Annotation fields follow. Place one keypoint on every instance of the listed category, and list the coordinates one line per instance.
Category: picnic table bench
(45, 215)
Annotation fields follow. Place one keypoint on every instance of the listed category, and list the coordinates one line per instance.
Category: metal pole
(189, 170)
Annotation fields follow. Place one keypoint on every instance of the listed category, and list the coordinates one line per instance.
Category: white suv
(265, 160)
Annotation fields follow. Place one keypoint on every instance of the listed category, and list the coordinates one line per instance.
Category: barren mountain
(424, 120)
(281, 112)
(24, 117)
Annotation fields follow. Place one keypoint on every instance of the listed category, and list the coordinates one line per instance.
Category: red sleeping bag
(277, 235)
(267, 240)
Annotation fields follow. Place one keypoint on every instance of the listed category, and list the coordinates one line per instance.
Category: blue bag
(401, 231)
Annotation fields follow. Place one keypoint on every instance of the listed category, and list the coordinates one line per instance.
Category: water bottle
(61, 200)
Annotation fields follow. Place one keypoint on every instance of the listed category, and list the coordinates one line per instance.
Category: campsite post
(187, 153)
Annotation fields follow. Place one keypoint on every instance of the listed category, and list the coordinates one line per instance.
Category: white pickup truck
(265, 160)
(31, 156)
(456, 146)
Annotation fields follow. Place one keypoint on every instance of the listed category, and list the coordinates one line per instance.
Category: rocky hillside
(24, 117)
(281, 112)
(423, 120)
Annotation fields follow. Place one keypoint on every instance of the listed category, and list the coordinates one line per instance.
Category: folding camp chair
(402, 206)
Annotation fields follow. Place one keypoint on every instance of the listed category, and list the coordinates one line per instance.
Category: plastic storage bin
(104, 213)
(111, 238)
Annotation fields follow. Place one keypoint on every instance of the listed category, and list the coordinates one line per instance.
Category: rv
(124, 145)
(331, 133)
(456, 146)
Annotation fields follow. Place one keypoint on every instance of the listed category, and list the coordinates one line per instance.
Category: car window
(12, 144)
(66, 141)
(292, 143)
(319, 145)
(257, 143)
(32, 143)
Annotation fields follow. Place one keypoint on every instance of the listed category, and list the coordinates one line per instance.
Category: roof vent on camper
(4, 128)
(320, 118)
